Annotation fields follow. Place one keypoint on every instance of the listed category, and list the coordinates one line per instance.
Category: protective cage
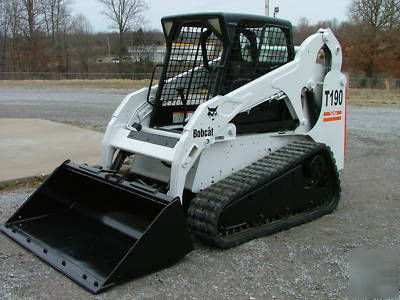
(214, 54)
(190, 74)
(98, 229)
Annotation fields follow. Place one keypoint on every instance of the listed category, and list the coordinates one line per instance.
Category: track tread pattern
(206, 208)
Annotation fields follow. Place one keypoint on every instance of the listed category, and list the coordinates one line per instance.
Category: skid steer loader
(243, 136)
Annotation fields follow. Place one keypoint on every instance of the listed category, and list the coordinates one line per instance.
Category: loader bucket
(98, 229)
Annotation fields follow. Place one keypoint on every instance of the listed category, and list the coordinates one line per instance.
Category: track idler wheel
(316, 170)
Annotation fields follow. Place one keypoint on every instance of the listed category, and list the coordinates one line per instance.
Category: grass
(373, 97)
(31, 182)
(95, 83)
(83, 125)
(358, 97)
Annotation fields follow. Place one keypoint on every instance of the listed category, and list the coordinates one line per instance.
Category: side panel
(224, 158)
(330, 127)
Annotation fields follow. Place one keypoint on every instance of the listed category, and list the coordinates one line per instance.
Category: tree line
(370, 38)
(41, 35)
(44, 36)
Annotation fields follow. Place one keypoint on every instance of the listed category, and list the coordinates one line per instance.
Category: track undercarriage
(293, 185)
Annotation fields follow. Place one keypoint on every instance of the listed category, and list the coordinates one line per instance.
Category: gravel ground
(310, 261)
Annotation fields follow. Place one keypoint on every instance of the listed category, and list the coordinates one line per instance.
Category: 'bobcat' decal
(199, 133)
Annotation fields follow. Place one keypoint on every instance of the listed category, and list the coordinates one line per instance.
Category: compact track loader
(243, 136)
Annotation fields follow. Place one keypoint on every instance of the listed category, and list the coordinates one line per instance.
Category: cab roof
(229, 18)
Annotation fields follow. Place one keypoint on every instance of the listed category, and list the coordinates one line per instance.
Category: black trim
(229, 18)
(269, 116)
(312, 104)
(152, 138)
(151, 82)
(119, 160)
(264, 127)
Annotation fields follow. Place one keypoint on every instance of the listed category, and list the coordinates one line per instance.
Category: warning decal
(332, 116)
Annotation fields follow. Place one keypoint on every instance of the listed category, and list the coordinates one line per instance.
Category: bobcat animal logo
(212, 112)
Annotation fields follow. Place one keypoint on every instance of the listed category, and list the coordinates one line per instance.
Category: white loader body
(208, 149)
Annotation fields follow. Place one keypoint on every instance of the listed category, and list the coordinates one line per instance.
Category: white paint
(198, 162)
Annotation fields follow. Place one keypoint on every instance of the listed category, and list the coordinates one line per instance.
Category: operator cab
(214, 54)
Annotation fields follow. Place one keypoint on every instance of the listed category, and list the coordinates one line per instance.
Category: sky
(292, 10)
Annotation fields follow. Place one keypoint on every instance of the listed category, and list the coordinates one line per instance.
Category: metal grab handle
(151, 82)
(181, 94)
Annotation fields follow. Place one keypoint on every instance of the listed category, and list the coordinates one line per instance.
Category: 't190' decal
(334, 97)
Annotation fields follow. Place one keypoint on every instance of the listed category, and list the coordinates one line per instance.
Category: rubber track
(207, 206)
